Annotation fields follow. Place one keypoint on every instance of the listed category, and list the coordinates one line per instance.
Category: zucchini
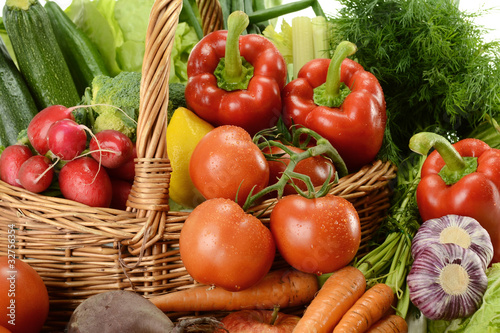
(17, 106)
(81, 54)
(39, 58)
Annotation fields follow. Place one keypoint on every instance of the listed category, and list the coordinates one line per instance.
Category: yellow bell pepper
(184, 132)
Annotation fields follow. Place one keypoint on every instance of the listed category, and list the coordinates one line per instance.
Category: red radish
(41, 122)
(83, 180)
(10, 162)
(66, 139)
(111, 148)
(127, 170)
(121, 190)
(36, 174)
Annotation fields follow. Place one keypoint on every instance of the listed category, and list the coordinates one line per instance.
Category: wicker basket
(80, 251)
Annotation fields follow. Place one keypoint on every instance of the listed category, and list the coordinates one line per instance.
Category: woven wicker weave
(80, 251)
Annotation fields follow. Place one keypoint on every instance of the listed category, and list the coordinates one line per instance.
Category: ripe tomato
(222, 245)
(318, 168)
(317, 235)
(226, 163)
(24, 304)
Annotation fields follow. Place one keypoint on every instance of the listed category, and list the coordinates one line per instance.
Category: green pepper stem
(237, 22)
(422, 142)
(343, 50)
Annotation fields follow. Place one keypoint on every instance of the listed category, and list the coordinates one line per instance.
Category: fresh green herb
(431, 60)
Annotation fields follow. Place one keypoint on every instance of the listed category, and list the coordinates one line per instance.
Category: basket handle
(149, 193)
(211, 15)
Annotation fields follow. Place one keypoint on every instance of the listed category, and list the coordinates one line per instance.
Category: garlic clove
(461, 230)
(447, 281)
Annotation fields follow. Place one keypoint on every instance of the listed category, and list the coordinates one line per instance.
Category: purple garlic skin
(461, 230)
(447, 281)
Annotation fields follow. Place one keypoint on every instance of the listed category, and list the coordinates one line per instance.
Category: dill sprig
(432, 62)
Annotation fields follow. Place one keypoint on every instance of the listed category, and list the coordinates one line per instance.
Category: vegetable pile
(254, 114)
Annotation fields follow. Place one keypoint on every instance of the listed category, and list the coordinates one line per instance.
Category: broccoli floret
(121, 91)
(121, 96)
(176, 98)
(115, 120)
(115, 102)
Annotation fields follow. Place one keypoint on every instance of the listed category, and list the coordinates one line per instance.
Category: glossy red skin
(66, 139)
(31, 170)
(226, 163)
(11, 160)
(78, 182)
(126, 171)
(39, 126)
(115, 141)
(318, 235)
(31, 297)
(121, 191)
(255, 108)
(476, 195)
(356, 128)
(250, 321)
(318, 168)
(222, 245)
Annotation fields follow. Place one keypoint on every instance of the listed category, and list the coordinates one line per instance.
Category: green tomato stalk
(300, 138)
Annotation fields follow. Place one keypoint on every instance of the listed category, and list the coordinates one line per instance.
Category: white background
(490, 21)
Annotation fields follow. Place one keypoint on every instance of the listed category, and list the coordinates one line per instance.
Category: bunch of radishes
(94, 169)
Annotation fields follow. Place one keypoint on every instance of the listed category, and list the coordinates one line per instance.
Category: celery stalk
(320, 37)
(303, 46)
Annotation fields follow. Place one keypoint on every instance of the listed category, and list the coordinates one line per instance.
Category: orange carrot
(368, 309)
(391, 323)
(338, 294)
(284, 288)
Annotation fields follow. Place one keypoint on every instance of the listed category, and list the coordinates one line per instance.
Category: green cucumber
(17, 106)
(81, 54)
(38, 55)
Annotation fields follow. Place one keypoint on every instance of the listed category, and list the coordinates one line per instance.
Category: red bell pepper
(342, 102)
(236, 80)
(461, 179)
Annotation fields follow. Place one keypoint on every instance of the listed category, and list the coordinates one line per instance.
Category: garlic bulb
(461, 230)
(447, 281)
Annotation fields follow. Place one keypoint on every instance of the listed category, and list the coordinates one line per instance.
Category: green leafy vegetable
(118, 28)
(184, 41)
(430, 59)
(282, 40)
